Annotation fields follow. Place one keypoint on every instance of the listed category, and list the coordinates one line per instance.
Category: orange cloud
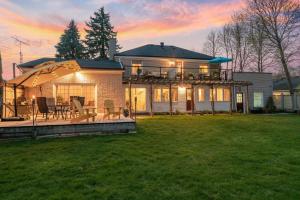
(205, 16)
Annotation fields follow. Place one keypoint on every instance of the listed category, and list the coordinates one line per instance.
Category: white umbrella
(45, 72)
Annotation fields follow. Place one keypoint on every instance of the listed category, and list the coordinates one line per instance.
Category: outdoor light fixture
(171, 63)
(181, 89)
(79, 76)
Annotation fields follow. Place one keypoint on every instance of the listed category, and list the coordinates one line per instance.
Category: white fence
(284, 102)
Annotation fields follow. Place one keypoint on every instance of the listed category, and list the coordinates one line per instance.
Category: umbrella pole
(15, 100)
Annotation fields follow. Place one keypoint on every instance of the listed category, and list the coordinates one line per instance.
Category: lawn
(179, 157)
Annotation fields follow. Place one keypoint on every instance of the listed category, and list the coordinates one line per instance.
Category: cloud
(42, 22)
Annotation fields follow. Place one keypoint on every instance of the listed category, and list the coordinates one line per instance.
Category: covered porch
(65, 98)
(161, 95)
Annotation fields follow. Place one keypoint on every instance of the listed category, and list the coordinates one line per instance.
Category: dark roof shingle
(282, 84)
(89, 64)
(164, 51)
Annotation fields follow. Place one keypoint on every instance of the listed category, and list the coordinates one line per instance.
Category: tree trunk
(287, 74)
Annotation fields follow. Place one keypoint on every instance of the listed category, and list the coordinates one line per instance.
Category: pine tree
(99, 32)
(70, 46)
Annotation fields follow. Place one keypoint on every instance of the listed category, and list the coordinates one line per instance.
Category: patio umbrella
(220, 60)
(45, 72)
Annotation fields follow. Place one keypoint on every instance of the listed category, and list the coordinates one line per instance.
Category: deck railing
(175, 73)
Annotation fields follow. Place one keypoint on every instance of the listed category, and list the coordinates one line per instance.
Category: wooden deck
(63, 128)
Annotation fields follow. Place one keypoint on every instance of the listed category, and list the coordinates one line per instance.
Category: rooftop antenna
(20, 46)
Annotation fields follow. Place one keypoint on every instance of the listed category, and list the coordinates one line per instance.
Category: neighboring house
(158, 79)
(281, 94)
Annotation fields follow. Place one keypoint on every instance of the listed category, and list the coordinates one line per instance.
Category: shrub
(270, 106)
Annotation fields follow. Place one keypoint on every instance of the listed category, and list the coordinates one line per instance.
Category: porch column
(170, 99)
(151, 100)
(212, 100)
(15, 100)
(130, 103)
(230, 108)
(193, 100)
(247, 99)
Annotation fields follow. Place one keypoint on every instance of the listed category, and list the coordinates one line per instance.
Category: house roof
(88, 64)
(282, 84)
(164, 51)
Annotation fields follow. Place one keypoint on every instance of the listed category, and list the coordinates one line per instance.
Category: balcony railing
(174, 73)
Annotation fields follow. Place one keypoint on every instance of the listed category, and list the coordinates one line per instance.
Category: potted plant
(139, 71)
(191, 76)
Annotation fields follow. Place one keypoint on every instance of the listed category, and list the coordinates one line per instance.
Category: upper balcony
(175, 73)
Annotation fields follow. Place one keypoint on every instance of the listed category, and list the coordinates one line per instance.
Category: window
(174, 94)
(226, 94)
(135, 65)
(258, 100)
(64, 91)
(220, 94)
(165, 95)
(201, 94)
(157, 95)
(138, 94)
(203, 69)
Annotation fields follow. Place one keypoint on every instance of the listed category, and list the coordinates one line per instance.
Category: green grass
(179, 157)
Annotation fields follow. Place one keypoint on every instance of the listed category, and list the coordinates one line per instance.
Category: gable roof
(282, 84)
(164, 51)
(88, 64)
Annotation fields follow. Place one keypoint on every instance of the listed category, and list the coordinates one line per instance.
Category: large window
(64, 91)
(201, 94)
(258, 100)
(220, 94)
(163, 95)
(138, 94)
(157, 95)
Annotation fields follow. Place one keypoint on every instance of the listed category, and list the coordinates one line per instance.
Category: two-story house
(153, 79)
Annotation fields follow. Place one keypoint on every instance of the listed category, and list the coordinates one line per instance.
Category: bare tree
(280, 19)
(211, 46)
(241, 51)
(261, 58)
(225, 43)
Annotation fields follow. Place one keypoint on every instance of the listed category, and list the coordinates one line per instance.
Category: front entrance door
(240, 102)
(188, 99)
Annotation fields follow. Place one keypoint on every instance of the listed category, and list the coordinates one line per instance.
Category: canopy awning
(220, 60)
(45, 72)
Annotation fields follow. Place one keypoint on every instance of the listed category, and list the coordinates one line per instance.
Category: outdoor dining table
(62, 109)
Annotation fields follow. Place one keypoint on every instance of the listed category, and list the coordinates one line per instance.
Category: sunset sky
(183, 23)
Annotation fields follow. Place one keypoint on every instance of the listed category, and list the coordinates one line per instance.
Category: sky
(40, 23)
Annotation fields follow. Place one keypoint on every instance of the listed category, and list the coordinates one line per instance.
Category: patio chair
(84, 114)
(42, 107)
(50, 101)
(110, 109)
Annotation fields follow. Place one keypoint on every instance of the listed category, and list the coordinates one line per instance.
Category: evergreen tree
(99, 32)
(70, 46)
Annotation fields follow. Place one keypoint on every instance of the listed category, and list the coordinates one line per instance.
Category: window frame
(215, 94)
(262, 99)
(202, 95)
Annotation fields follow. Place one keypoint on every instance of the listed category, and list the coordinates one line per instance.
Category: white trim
(162, 59)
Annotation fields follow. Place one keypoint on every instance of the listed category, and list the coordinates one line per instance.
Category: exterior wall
(180, 105)
(262, 82)
(283, 100)
(108, 86)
